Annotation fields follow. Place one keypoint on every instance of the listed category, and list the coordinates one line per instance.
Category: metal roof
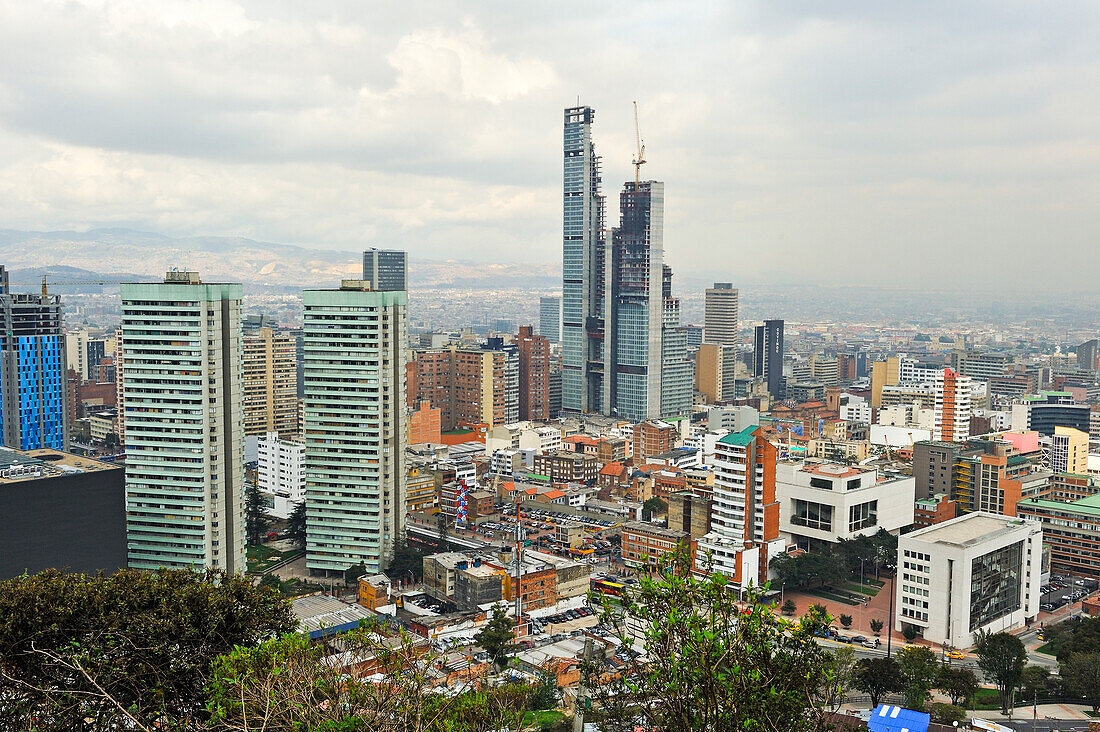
(886, 718)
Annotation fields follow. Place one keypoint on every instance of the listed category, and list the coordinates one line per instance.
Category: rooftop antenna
(639, 159)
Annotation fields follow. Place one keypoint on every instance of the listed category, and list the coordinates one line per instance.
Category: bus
(607, 588)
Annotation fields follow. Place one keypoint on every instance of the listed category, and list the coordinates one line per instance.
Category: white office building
(824, 502)
(281, 473)
(981, 571)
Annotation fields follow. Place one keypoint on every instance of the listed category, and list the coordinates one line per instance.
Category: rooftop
(742, 438)
(21, 465)
(968, 530)
(832, 470)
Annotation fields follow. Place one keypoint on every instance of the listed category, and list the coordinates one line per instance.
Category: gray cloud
(954, 144)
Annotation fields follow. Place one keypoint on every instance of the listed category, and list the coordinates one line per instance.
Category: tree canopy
(877, 677)
(497, 636)
(130, 649)
(1001, 657)
(296, 525)
(711, 663)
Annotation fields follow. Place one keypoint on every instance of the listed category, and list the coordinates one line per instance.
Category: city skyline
(875, 137)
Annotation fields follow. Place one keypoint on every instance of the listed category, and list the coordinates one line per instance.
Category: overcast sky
(955, 143)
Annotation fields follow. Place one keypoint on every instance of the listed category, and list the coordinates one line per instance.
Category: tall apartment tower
(467, 385)
(534, 375)
(582, 330)
(744, 527)
(951, 410)
(768, 355)
(1087, 354)
(185, 433)
(270, 383)
(550, 318)
(385, 269)
(354, 413)
(511, 376)
(677, 363)
(634, 304)
(33, 387)
(720, 315)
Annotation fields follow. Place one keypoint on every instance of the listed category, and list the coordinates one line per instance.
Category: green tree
(296, 525)
(709, 665)
(909, 633)
(789, 608)
(545, 694)
(1035, 682)
(284, 685)
(256, 520)
(271, 581)
(653, 507)
(920, 669)
(353, 573)
(876, 626)
(877, 677)
(497, 635)
(406, 561)
(841, 662)
(1001, 657)
(1084, 638)
(958, 683)
(1081, 674)
(130, 650)
(947, 713)
(846, 621)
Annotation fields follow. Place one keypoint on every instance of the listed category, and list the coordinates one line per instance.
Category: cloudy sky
(956, 143)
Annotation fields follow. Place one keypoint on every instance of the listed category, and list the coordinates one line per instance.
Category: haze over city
(953, 144)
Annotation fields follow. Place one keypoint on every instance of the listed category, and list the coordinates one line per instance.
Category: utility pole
(582, 700)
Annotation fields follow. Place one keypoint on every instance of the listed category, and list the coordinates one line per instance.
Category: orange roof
(531, 491)
(583, 439)
(553, 494)
(509, 485)
(612, 469)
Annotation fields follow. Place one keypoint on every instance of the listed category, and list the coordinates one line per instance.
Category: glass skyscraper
(582, 268)
(33, 407)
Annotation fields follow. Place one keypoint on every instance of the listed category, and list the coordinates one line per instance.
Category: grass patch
(542, 718)
(986, 699)
(262, 560)
(833, 596)
(1047, 648)
(868, 589)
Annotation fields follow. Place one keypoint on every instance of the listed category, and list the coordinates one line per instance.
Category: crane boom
(639, 159)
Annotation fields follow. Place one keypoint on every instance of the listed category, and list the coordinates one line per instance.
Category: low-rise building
(979, 572)
(648, 544)
(567, 467)
(933, 510)
(826, 502)
(689, 511)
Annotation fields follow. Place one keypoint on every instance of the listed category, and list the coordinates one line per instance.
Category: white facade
(856, 412)
(281, 473)
(907, 415)
(827, 502)
(952, 406)
(545, 439)
(704, 442)
(913, 372)
(977, 572)
(895, 437)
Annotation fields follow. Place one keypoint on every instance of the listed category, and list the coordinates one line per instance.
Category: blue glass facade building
(33, 404)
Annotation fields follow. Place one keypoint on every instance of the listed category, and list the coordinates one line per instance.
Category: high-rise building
(281, 472)
(550, 318)
(467, 385)
(634, 304)
(354, 425)
(511, 375)
(1087, 354)
(270, 383)
(768, 358)
(582, 330)
(385, 269)
(534, 375)
(744, 522)
(720, 317)
(677, 361)
(33, 384)
(715, 372)
(951, 409)
(183, 422)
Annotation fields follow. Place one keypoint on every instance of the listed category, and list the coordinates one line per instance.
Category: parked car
(872, 643)
(859, 638)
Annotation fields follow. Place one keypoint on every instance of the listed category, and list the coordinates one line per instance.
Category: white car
(871, 643)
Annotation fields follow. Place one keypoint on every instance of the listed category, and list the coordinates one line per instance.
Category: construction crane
(639, 158)
(45, 288)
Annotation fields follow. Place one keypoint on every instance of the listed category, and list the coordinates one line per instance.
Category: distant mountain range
(114, 255)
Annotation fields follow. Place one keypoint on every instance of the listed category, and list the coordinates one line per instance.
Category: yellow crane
(639, 158)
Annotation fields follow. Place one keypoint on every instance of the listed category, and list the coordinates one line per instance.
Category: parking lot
(1063, 590)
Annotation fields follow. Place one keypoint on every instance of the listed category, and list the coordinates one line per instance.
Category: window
(995, 585)
(862, 516)
(812, 515)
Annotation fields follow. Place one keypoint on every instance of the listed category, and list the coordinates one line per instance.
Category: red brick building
(647, 544)
(534, 375)
(425, 425)
(652, 437)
